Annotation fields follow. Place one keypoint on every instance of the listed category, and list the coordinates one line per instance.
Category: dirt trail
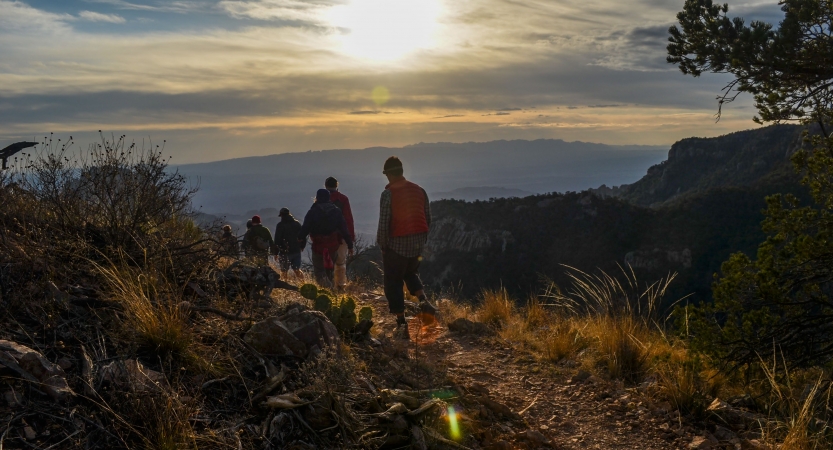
(571, 414)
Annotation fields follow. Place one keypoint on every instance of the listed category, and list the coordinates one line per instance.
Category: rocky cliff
(686, 215)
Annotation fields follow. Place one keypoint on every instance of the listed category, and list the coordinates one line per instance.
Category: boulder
(131, 374)
(731, 415)
(313, 329)
(465, 326)
(272, 337)
(33, 366)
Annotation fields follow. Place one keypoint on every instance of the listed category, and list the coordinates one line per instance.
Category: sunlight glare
(454, 427)
(386, 30)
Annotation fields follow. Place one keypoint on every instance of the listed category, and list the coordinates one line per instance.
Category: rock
(580, 377)
(64, 363)
(499, 445)
(131, 374)
(732, 415)
(535, 437)
(700, 443)
(724, 434)
(29, 432)
(13, 398)
(313, 329)
(497, 408)
(33, 366)
(271, 337)
(465, 326)
(752, 444)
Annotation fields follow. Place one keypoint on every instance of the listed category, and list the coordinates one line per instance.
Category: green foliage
(347, 314)
(780, 302)
(309, 291)
(342, 313)
(323, 303)
(365, 313)
(784, 67)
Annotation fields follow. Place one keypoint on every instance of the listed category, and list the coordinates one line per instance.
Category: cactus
(347, 319)
(309, 291)
(323, 303)
(366, 313)
(326, 292)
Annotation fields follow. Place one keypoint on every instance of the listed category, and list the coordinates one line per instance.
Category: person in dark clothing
(404, 221)
(244, 245)
(287, 245)
(228, 243)
(325, 224)
(343, 203)
(258, 241)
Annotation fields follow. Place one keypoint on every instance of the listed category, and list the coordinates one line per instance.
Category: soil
(570, 410)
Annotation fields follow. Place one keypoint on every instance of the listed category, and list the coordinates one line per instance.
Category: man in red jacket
(404, 221)
(343, 203)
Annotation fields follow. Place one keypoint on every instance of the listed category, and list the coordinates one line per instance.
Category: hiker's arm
(383, 231)
(342, 229)
(348, 216)
(427, 209)
(305, 229)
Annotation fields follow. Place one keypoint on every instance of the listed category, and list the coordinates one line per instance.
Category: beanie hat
(255, 219)
(284, 212)
(249, 223)
(393, 166)
(322, 196)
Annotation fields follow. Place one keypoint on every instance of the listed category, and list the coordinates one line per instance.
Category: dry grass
(151, 312)
(497, 308)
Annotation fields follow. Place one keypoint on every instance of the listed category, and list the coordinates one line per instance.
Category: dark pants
(323, 276)
(399, 269)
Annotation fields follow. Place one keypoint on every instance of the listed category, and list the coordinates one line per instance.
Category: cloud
(510, 109)
(450, 115)
(292, 10)
(158, 6)
(92, 16)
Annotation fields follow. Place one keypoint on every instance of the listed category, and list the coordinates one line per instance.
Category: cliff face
(695, 165)
(686, 215)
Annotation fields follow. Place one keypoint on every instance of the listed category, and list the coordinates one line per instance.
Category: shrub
(497, 307)
(309, 291)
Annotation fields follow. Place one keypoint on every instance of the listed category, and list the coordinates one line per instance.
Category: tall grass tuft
(497, 308)
(151, 310)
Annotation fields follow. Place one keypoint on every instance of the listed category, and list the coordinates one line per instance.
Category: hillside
(697, 165)
(702, 212)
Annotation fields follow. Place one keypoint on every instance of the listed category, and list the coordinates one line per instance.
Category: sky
(219, 79)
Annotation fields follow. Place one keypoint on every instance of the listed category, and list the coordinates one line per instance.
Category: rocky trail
(537, 405)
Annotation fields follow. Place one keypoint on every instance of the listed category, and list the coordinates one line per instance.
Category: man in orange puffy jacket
(404, 221)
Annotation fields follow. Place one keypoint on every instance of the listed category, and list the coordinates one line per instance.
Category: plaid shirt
(409, 246)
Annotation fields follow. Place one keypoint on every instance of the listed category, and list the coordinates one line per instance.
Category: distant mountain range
(508, 168)
(686, 215)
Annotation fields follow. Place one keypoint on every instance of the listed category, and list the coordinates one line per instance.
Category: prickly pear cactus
(347, 319)
(366, 313)
(323, 303)
(309, 291)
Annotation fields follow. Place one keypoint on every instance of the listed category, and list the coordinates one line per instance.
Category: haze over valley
(470, 171)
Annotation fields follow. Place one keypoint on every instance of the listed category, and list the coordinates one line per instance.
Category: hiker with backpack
(343, 203)
(404, 221)
(258, 241)
(325, 225)
(287, 247)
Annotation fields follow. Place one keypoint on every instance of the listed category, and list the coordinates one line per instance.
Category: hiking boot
(401, 332)
(426, 307)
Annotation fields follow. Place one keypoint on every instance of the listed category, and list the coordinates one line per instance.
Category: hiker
(325, 224)
(343, 203)
(287, 245)
(258, 241)
(404, 220)
(228, 242)
(243, 244)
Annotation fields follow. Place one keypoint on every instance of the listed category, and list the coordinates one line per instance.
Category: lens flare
(453, 426)
(380, 95)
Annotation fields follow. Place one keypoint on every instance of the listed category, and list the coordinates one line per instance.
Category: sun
(386, 30)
